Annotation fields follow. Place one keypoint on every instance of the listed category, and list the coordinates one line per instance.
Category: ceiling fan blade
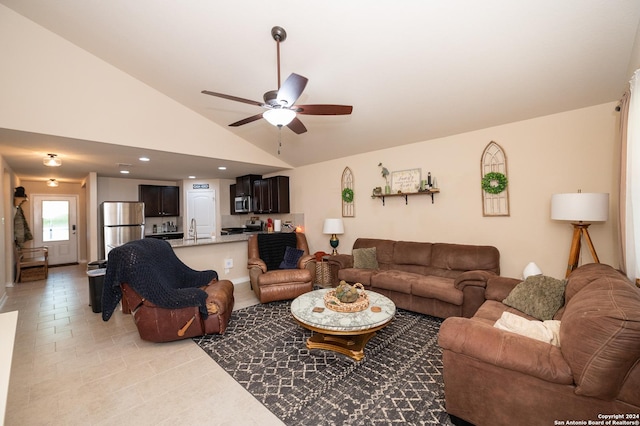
(291, 90)
(297, 126)
(233, 98)
(246, 120)
(324, 109)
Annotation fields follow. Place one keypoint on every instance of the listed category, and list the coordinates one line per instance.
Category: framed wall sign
(405, 181)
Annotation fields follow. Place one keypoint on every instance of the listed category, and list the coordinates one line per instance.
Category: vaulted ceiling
(413, 70)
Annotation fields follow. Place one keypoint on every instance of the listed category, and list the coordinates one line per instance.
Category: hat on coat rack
(19, 192)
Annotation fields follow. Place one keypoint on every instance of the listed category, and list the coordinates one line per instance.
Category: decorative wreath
(347, 195)
(494, 182)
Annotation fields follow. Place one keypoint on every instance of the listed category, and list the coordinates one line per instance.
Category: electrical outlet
(228, 263)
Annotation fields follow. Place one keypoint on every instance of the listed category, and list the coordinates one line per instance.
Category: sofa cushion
(353, 275)
(365, 258)
(600, 334)
(585, 275)
(539, 296)
(418, 285)
(438, 288)
(384, 248)
(412, 253)
(492, 310)
(465, 257)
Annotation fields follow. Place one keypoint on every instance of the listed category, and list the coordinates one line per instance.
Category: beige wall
(558, 153)
(8, 181)
(51, 86)
(40, 187)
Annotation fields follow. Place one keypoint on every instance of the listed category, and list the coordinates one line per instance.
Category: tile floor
(71, 368)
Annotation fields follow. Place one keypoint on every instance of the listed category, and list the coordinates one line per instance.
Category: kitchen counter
(166, 235)
(187, 242)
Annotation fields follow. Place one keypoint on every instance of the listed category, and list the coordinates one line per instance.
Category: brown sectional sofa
(495, 377)
(437, 279)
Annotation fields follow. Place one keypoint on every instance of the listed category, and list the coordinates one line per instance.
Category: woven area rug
(398, 382)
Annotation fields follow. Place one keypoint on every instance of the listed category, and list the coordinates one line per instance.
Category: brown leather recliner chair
(169, 300)
(156, 324)
(268, 280)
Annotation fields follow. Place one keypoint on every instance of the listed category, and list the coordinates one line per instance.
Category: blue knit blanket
(154, 271)
(272, 247)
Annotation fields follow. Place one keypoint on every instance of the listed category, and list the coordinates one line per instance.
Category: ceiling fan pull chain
(279, 138)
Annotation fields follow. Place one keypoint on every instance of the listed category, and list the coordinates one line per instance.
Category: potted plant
(385, 174)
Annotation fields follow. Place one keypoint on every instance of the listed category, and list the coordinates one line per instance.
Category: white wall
(51, 86)
(558, 153)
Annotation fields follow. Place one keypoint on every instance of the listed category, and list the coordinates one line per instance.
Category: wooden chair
(32, 264)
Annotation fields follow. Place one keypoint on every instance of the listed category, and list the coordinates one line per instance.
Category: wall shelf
(407, 194)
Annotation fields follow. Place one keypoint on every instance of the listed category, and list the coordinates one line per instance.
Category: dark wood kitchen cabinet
(160, 201)
(271, 195)
(232, 199)
(244, 184)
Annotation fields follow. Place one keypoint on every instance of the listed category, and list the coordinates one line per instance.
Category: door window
(55, 221)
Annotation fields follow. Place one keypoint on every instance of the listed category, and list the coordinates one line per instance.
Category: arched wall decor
(493, 178)
(347, 194)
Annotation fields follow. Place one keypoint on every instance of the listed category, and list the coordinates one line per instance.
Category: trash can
(96, 271)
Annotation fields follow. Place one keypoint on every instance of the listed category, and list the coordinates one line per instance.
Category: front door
(55, 226)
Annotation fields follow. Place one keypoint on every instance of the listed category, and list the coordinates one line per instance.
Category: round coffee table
(343, 332)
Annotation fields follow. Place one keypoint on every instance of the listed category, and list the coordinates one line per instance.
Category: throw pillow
(538, 296)
(291, 257)
(365, 258)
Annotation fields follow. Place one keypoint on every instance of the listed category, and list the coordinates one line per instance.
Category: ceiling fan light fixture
(279, 116)
(52, 160)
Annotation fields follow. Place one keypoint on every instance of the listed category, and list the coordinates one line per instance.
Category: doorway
(55, 226)
(201, 207)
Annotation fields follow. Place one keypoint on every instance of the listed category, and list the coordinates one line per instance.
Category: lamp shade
(333, 226)
(580, 207)
(279, 116)
(52, 160)
(531, 269)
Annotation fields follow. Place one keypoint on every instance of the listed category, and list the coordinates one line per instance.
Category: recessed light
(222, 168)
(124, 172)
(192, 177)
(144, 159)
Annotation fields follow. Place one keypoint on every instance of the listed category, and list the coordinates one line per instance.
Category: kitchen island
(211, 253)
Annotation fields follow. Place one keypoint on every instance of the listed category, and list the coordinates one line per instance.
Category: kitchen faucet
(193, 229)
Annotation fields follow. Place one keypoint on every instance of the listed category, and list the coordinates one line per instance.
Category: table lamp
(333, 227)
(580, 208)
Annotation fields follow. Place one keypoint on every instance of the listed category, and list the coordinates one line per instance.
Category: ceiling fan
(280, 104)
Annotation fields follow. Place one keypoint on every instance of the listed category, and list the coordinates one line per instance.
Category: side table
(323, 272)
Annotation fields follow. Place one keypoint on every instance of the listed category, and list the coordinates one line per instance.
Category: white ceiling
(413, 70)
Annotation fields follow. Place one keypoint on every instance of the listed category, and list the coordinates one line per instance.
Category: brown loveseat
(496, 377)
(436, 279)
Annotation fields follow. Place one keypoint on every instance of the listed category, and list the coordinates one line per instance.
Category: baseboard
(237, 281)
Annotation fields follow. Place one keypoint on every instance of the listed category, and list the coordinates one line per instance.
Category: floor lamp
(580, 208)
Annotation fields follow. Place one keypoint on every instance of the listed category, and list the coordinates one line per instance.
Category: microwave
(243, 204)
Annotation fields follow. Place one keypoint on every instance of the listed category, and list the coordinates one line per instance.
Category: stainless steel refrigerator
(122, 221)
